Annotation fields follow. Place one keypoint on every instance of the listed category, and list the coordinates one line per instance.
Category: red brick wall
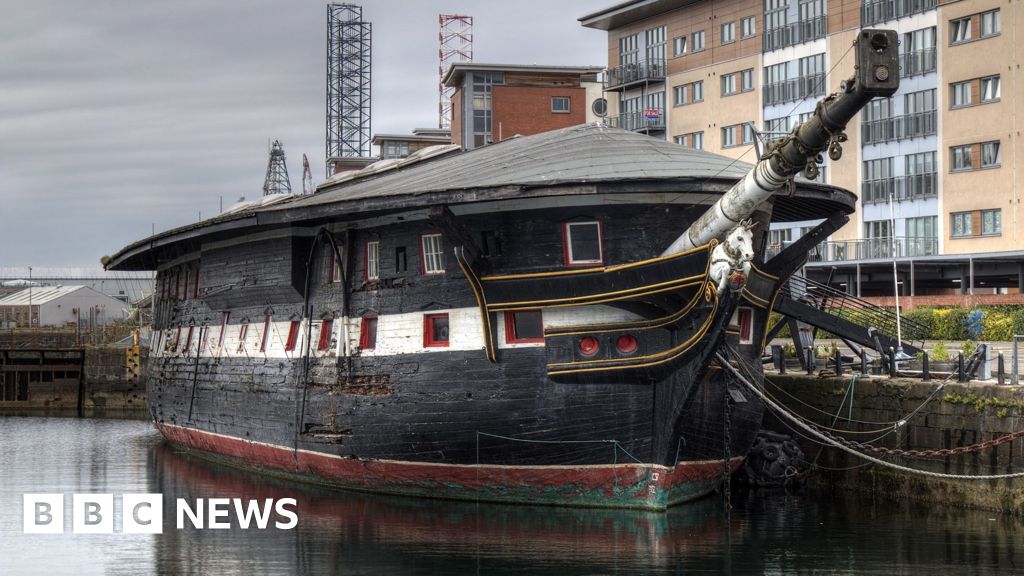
(527, 110)
(457, 117)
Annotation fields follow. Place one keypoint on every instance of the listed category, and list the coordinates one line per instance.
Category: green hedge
(999, 323)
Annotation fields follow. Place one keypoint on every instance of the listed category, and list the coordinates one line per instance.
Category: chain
(727, 435)
(940, 453)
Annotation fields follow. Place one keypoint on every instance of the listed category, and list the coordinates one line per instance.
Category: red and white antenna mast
(307, 176)
(456, 40)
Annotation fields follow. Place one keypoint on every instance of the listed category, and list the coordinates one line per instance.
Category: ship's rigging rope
(847, 446)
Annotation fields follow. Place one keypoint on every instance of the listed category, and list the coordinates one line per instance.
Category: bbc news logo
(144, 513)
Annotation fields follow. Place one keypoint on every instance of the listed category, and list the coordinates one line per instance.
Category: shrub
(997, 326)
(949, 324)
(939, 352)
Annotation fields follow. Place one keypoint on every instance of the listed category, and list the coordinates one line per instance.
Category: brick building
(520, 99)
(944, 147)
(402, 145)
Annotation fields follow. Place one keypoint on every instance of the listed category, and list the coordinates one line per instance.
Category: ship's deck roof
(579, 160)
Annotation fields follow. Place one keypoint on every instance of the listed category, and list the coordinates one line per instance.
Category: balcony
(917, 62)
(914, 187)
(645, 121)
(898, 127)
(793, 34)
(874, 11)
(793, 89)
(866, 249)
(628, 74)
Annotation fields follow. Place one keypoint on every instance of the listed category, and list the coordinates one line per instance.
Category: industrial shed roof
(42, 295)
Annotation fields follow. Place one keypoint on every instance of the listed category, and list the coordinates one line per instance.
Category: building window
(560, 104)
(629, 49)
(655, 44)
(747, 80)
(959, 30)
(960, 94)
(431, 254)
(524, 327)
(331, 268)
(729, 84)
(582, 243)
(698, 41)
(324, 340)
(599, 107)
(368, 333)
(990, 155)
(960, 158)
(401, 265)
(395, 149)
(990, 23)
(293, 336)
(961, 224)
(991, 222)
(777, 126)
(748, 27)
(689, 93)
(679, 45)
(435, 330)
(693, 140)
(728, 33)
(372, 270)
(266, 333)
(483, 86)
(728, 136)
(990, 89)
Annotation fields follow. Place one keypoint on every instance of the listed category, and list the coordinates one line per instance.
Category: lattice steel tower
(348, 83)
(456, 38)
(277, 181)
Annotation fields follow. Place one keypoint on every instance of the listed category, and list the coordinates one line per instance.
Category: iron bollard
(839, 363)
(810, 360)
(926, 374)
(1000, 370)
(961, 376)
(778, 357)
(892, 362)
(864, 363)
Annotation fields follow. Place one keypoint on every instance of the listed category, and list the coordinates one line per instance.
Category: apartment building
(935, 165)
(493, 102)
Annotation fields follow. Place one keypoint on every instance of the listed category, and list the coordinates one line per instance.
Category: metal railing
(917, 62)
(874, 249)
(856, 310)
(913, 187)
(898, 127)
(793, 89)
(795, 33)
(874, 11)
(644, 70)
(637, 121)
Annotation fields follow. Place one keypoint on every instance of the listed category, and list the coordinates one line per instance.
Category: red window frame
(266, 333)
(293, 336)
(366, 261)
(745, 320)
(510, 328)
(567, 244)
(243, 331)
(324, 340)
(223, 328)
(177, 338)
(368, 333)
(188, 339)
(428, 331)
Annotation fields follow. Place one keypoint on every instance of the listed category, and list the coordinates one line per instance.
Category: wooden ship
(533, 321)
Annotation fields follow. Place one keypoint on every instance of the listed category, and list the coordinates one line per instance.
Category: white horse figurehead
(730, 260)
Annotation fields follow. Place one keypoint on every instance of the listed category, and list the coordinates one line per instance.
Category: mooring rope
(837, 443)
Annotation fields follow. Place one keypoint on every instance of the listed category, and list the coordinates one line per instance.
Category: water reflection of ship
(395, 534)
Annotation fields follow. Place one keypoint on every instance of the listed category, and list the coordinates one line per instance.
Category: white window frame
(373, 260)
(432, 253)
(698, 42)
(558, 109)
(569, 257)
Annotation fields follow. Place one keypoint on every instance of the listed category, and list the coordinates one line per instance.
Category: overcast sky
(117, 116)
